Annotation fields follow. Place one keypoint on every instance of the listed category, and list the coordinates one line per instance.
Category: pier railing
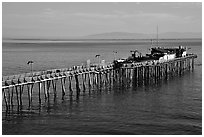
(35, 77)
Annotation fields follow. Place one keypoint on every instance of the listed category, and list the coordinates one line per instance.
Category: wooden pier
(19, 90)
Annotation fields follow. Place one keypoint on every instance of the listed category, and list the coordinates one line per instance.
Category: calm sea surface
(170, 107)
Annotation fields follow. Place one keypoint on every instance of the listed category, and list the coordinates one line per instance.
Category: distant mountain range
(126, 35)
(123, 35)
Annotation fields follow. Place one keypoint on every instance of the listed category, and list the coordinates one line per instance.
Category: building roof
(160, 50)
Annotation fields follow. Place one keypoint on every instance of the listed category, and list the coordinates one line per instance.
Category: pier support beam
(30, 93)
(77, 85)
(63, 82)
(39, 93)
(70, 85)
(192, 64)
(54, 83)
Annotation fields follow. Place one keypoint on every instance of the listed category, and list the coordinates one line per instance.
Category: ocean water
(169, 107)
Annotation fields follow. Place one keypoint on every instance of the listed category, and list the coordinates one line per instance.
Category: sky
(67, 19)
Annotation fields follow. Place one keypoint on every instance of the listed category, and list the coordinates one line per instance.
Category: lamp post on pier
(114, 53)
(98, 56)
(31, 66)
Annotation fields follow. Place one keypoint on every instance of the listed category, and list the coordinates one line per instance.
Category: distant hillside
(118, 35)
(125, 35)
(122, 35)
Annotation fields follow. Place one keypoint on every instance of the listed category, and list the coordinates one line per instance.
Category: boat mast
(151, 44)
(157, 37)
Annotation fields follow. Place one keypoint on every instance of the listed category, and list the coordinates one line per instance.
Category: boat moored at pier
(159, 54)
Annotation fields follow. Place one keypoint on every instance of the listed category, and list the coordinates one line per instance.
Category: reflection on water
(153, 109)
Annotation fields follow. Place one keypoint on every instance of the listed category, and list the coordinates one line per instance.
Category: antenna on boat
(151, 44)
(157, 37)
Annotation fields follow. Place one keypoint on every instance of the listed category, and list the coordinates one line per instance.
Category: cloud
(49, 12)
(95, 15)
(157, 15)
(125, 15)
(78, 19)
